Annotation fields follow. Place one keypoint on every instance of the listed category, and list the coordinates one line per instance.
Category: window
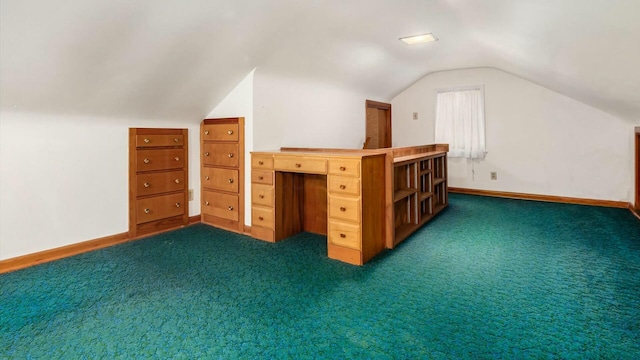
(460, 121)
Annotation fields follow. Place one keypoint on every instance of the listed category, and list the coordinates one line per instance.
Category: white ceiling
(178, 59)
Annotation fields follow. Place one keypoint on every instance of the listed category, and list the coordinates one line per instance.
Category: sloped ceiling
(175, 59)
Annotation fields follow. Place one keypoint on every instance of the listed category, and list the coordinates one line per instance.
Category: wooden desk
(362, 200)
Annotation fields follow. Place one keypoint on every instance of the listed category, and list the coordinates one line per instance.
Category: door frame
(370, 104)
(637, 156)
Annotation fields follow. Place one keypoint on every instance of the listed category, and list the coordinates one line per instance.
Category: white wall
(538, 141)
(64, 179)
(301, 112)
(238, 103)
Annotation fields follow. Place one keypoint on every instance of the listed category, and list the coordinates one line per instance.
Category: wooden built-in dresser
(158, 180)
(222, 173)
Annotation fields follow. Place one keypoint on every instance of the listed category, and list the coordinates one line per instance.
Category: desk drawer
(262, 162)
(345, 208)
(221, 205)
(344, 167)
(143, 141)
(220, 155)
(161, 159)
(220, 179)
(157, 183)
(263, 217)
(344, 234)
(159, 207)
(301, 164)
(262, 195)
(262, 176)
(344, 185)
(220, 132)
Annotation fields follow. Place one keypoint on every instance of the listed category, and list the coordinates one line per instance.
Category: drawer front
(264, 162)
(220, 132)
(143, 141)
(262, 195)
(160, 159)
(221, 205)
(220, 155)
(344, 185)
(300, 164)
(262, 177)
(345, 208)
(220, 179)
(159, 207)
(345, 167)
(344, 234)
(157, 183)
(262, 217)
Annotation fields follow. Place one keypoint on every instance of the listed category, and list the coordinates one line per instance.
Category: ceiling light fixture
(419, 39)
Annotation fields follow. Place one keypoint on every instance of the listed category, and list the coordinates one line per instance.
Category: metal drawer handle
(343, 235)
(206, 132)
(261, 196)
(177, 181)
(147, 185)
(177, 158)
(343, 208)
(206, 178)
(230, 181)
(176, 140)
(206, 154)
(298, 165)
(177, 205)
(206, 203)
(260, 218)
(230, 208)
(342, 187)
(230, 155)
(230, 132)
(146, 161)
(146, 141)
(260, 162)
(342, 168)
(147, 210)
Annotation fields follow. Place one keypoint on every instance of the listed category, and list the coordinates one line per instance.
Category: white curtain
(460, 123)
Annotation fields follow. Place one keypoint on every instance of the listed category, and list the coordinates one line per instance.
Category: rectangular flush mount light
(418, 39)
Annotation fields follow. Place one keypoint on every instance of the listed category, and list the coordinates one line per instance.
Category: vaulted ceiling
(177, 59)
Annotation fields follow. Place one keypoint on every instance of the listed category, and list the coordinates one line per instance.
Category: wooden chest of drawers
(222, 173)
(158, 180)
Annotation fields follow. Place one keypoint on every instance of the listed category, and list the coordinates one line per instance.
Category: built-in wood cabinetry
(158, 180)
(222, 173)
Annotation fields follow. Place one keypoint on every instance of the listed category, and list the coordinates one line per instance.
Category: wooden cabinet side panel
(373, 207)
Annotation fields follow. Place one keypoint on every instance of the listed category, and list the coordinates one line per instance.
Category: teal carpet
(487, 278)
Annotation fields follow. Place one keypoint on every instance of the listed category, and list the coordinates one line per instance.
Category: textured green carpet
(488, 278)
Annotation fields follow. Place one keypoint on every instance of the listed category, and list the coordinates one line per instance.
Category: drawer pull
(342, 168)
(261, 177)
(177, 181)
(206, 154)
(177, 158)
(260, 162)
(206, 132)
(206, 178)
(147, 185)
(260, 218)
(176, 140)
(146, 161)
(206, 203)
(230, 208)
(230, 181)
(343, 235)
(230, 132)
(147, 210)
(230, 155)
(298, 165)
(146, 141)
(261, 196)
(342, 208)
(177, 205)
(342, 187)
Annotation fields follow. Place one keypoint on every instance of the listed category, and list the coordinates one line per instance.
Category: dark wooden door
(378, 128)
